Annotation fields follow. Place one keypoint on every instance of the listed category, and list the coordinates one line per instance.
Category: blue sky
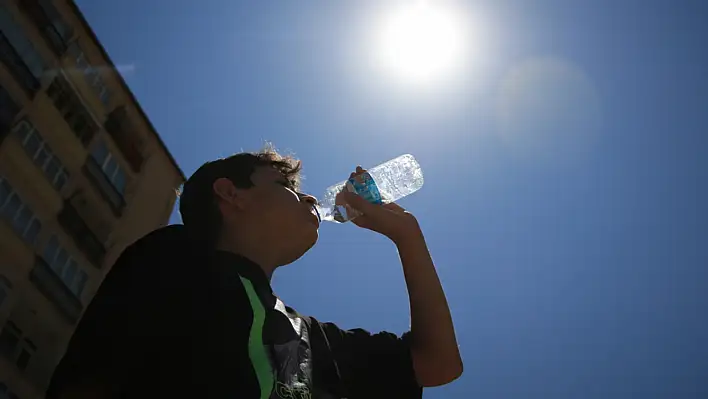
(565, 165)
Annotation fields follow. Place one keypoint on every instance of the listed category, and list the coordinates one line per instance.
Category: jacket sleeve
(358, 364)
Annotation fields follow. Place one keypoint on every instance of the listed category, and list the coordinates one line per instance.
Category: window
(17, 214)
(79, 283)
(41, 154)
(49, 22)
(91, 75)
(109, 166)
(107, 176)
(5, 287)
(15, 347)
(8, 111)
(57, 22)
(72, 109)
(124, 135)
(21, 53)
(66, 268)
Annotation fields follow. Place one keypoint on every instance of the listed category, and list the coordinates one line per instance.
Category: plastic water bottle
(382, 184)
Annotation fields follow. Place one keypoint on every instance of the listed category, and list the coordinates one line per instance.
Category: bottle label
(365, 186)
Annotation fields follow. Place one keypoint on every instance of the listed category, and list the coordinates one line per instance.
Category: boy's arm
(434, 349)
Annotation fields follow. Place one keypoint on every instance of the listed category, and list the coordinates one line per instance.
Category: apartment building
(83, 173)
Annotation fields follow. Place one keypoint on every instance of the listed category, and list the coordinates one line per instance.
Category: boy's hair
(197, 205)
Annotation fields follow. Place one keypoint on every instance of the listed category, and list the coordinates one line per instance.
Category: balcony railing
(17, 66)
(83, 236)
(52, 286)
(47, 28)
(99, 179)
(123, 134)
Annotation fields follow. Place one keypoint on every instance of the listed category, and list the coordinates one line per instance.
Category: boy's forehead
(267, 173)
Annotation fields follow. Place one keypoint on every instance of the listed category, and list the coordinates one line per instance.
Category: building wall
(40, 295)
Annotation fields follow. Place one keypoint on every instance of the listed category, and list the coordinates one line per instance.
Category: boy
(189, 309)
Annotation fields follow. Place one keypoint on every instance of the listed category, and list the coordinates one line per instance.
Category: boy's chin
(303, 250)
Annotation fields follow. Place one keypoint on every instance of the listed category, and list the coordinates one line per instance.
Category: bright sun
(421, 43)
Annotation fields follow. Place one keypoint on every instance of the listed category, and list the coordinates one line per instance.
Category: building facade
(83, 174)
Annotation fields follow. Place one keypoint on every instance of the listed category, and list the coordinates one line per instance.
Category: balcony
(51, 286)
(122, 132)
(55, 31)
(83, 236)
(17, 66)
(99, 179)
(68, 103)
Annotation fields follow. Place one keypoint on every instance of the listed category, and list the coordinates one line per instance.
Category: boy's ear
(226, 192)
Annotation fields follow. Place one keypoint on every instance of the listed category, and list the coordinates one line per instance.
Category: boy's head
(252, 198)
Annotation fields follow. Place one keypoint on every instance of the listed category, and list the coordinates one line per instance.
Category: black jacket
(173, 319)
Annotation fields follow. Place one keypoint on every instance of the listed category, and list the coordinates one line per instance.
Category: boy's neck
(251, 247)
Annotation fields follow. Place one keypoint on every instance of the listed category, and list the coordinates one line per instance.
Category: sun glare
(422, 43)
